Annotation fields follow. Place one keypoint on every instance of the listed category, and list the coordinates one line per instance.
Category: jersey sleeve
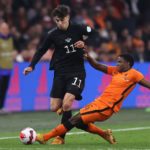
(85, 30)
(90, 36)
(111, 70)
(41, 50)
(138, 76)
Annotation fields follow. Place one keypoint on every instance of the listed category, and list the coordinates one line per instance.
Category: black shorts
(68, 83)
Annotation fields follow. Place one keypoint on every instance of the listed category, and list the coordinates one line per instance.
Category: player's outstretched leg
(60, 139)
(91, 128)
(76, 121)
(59, 130)
(105, 134)
(97, 112)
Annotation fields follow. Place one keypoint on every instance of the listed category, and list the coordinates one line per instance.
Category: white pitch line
(114, 130)
(76, 133)
(131, 129)
(11, 137)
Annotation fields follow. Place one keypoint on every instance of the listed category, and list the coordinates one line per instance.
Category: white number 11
(70, 49)
(75, 82)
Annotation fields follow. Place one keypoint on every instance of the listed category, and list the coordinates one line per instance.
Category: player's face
(62, 23)
(122, 64)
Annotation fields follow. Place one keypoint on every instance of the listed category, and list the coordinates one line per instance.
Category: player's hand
(27, 70)
(79, 44)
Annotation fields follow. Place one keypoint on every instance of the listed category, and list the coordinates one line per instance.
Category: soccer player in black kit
(67, 62)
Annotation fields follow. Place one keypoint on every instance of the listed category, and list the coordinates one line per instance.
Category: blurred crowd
(123, 26)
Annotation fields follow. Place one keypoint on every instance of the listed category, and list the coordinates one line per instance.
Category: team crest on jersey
(68, 40)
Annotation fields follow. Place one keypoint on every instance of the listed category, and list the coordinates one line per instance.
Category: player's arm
(95, 64)
(38, 54)
(145, 83)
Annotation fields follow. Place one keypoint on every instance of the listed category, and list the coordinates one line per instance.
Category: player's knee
(66, 107)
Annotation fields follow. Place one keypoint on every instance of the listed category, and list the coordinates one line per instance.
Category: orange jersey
(120, 87)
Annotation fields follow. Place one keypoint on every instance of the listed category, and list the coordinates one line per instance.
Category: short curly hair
(128, 58)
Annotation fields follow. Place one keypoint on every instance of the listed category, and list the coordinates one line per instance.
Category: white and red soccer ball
(28, 136)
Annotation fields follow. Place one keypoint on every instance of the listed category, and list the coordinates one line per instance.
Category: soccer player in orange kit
(124, 79)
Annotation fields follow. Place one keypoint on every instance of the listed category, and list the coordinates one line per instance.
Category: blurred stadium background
(123, 26)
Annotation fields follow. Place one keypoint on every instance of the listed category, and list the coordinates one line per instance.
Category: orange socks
(95, 130)
(59, 130)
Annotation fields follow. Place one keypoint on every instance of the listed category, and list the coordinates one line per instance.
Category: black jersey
(66, 58)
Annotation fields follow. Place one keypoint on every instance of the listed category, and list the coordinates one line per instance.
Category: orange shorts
(95, 111)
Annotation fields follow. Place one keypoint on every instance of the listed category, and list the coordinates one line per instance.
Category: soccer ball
(28, 136)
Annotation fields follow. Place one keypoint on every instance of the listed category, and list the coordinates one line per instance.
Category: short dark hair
(61, 11)
(128, 58)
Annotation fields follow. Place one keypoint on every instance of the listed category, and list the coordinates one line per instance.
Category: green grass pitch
(136, 135)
